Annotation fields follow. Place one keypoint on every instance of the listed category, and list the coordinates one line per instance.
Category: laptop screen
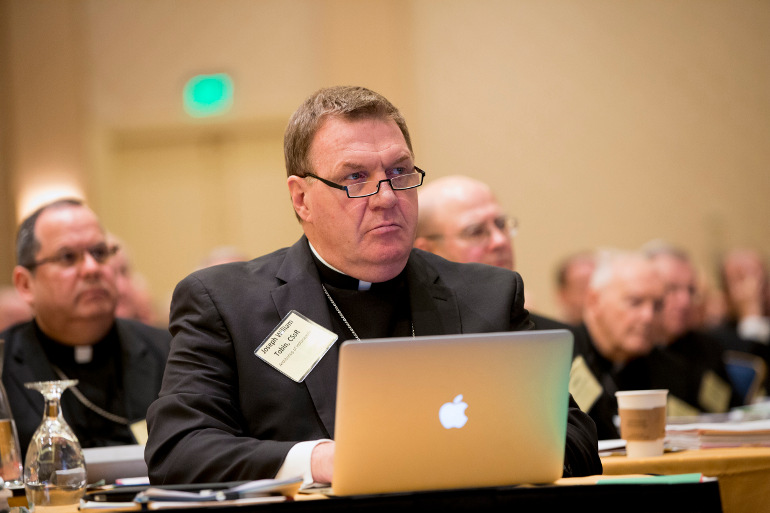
(451, 411)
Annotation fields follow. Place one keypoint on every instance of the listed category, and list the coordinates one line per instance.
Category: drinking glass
(10, 456)
(55, 469)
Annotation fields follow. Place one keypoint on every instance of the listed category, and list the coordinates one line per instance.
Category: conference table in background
(743, 472)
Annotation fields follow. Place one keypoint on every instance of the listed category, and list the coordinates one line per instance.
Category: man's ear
(22, 280)
(297, 188)
(591, 299)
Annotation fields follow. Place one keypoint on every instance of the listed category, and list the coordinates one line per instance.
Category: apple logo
(452, 415)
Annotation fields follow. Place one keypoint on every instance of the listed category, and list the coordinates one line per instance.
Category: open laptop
(451, 411)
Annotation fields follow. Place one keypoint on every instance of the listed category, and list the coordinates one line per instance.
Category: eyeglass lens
(69, 257)
(481, 233)
(398, 183)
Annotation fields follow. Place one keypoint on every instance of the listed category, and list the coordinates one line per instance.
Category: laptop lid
(451, 411)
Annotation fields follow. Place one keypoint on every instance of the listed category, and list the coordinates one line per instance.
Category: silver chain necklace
(91, 406)
(343, 317)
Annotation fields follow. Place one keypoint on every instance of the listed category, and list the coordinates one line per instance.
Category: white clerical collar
(84, 354)
(362, 285)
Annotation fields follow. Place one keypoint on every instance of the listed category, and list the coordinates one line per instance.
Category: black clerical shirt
(381, 311)
(100, 380)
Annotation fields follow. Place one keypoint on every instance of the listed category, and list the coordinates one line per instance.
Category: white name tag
(296, 345)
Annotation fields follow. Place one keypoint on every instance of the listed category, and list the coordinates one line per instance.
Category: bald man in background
(461, 220)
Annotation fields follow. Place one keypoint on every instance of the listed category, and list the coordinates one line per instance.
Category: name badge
(583, 385)
(296, 346)
(139, 430)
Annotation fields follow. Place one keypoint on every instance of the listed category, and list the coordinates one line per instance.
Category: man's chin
(384, 266)
(97, 310)
(640, 348)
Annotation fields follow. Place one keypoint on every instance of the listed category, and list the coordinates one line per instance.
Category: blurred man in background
(691, 363)
(461, 220)
(746, 289)
(572, 277)
(623, 303)
(64, 273)
(134, 299)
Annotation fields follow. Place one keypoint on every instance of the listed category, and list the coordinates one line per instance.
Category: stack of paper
(702, 435)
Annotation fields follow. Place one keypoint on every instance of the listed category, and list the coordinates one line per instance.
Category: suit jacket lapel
(434, 312)
(137, 383)
(302, 292)
(31, 365)
(434, 306)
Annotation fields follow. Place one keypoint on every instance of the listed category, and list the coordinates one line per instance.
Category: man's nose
(648, 312)
(385, 195)
(89, 263)
(498, 237)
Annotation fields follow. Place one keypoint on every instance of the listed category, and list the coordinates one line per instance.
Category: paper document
(249, 490)
(701, 435)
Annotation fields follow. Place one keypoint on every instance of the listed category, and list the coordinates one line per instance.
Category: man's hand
(322, 462)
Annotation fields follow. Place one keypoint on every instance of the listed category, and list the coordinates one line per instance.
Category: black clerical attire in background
(541, 322)
(611, 377)
(692, 369)
(122, 376)
(224, 414)
(728, 335)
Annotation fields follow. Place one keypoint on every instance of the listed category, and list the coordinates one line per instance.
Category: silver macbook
(452, 411)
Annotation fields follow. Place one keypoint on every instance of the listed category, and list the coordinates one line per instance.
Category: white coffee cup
(642, 421)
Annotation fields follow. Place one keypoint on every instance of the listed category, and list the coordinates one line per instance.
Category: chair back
(747, 372)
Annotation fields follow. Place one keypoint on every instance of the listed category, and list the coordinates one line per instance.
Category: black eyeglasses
(71, 257)
(363, 189)
(479, 234)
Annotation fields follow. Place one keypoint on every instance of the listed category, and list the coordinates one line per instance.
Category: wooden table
(743, 472)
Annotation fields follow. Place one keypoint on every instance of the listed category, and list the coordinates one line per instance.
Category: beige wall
(599, 123)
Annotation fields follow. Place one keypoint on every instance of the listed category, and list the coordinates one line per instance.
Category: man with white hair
(624, 299)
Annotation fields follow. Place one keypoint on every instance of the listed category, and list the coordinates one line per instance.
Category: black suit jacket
(223, 414)
(684, 367)
(143, 356)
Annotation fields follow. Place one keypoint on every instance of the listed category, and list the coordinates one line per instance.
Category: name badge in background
(295, 346)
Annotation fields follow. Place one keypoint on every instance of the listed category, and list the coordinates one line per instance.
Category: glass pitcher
(55, 469)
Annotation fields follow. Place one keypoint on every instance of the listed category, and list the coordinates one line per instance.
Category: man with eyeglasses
(690, 363)
(64, 273)
(225, 411)
(461, 220)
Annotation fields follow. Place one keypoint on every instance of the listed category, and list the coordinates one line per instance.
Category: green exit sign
(208, 95)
